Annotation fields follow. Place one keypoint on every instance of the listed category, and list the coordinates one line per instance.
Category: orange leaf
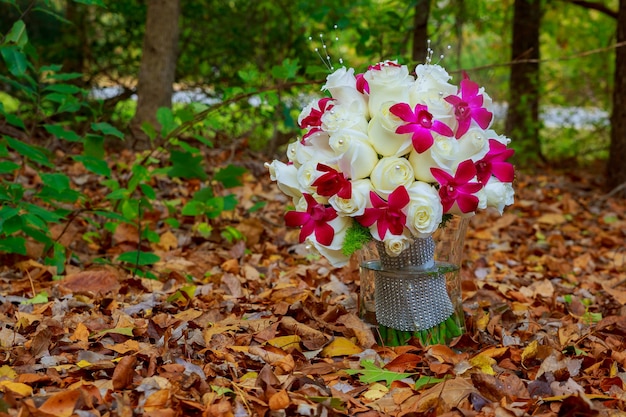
(61, 404)
(404, 362)
(279, 401)
(124, 372)
(340, 346)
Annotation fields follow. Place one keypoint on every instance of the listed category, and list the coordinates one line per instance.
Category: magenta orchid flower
(458, 188)
(469, 106)
(314, 119)
(332, 182)
(494, 163)
(314, 220)
(361, 84)
(388, 216)
(420, 123)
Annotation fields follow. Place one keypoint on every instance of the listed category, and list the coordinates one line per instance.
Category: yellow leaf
(126, 331)
(530, 351)
(190, 314)
(340, 346)
(552, 219)
(249, 375)
(376, 392)
(8, 372)
(286, 342)
(482, 322)
(239, 348)
(167, 241)
(484, 363)
(17, 387)
(81, 333)
(83, 364)
(494, 352)
(127, 346)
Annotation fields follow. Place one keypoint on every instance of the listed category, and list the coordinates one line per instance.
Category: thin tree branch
(594, 6)
(563, 58)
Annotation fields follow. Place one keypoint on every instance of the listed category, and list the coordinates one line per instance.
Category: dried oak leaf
(124, 372)
(96, 282)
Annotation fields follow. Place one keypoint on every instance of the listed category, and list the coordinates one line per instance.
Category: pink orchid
(361, 84)
(388, 216)
(314, 119)
(469, 106)
(419, 122)
(314, 220)
(458, 188)
(333, 182)
(495, 163)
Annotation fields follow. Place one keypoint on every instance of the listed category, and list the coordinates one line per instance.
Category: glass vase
(417, 294)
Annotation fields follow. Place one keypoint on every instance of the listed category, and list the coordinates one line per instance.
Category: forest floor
(259, 327)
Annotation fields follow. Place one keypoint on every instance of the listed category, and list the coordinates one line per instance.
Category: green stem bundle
(442, 333)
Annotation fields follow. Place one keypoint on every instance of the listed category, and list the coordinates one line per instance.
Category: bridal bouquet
(389, 155)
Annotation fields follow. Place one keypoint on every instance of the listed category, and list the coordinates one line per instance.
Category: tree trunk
(158, 65)
(420, 31)
(522, 121)
(616, 169)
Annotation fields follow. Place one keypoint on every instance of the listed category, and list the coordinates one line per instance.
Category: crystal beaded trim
(410, 295)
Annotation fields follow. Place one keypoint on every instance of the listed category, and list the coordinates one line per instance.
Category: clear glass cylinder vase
(417, 294)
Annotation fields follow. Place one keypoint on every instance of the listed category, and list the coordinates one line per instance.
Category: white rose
(382, 133)
(342, 87)
(344, 116)
(315, 149)
(474, 145)
(424, 212)
(355, 156)
(390, 173)
(285, 176)
(499, 194)
(306, 176)
(387, 82)
(442, 154)
(300, 203)
(334, 251)
(432, 76)
(291, 151)
(430, 89)
(356, 204)
(396, 244)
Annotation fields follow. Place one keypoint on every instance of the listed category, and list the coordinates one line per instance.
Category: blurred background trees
(560, 93)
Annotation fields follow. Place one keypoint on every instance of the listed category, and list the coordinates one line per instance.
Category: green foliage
(49, 104)
(356, 236)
